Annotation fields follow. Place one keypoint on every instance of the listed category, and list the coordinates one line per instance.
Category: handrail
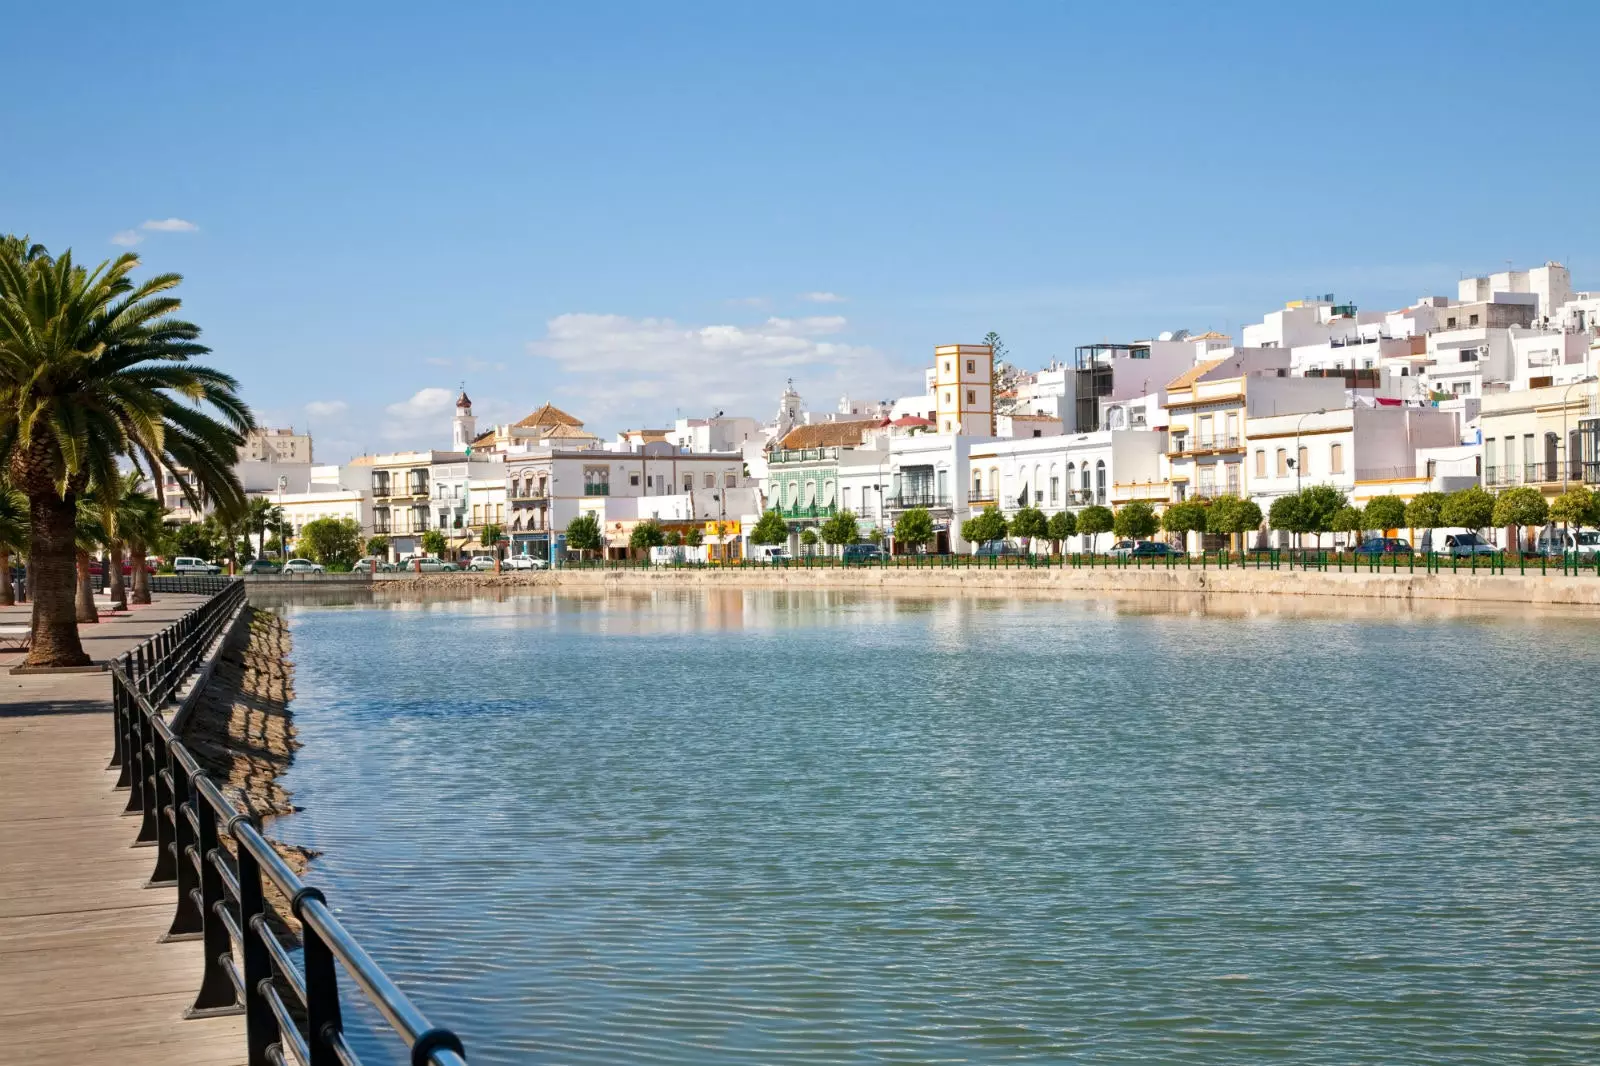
(221, 894)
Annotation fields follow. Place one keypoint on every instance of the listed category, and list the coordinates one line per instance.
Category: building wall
(964, 389)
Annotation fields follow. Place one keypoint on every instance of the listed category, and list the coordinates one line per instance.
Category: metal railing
(292, 1011)
(908, 500)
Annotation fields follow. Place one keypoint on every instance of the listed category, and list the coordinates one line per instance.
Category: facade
(403, 497)
(276, 446)
(1067, 473)
(1362, 451)
(546, 427)
(930, 470)
(963, 386)
(718, 434)
(1536, 437)
(1109, 373)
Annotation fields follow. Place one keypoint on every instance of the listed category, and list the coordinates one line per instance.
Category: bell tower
(465, 427)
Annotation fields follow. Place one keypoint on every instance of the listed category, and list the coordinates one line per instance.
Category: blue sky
(641, 210)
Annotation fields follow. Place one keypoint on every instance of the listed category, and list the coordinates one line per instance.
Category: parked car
(1383, 546)
(769, 553)
(302, 566)
(260, 566)
(1583, 542)
(1159, 549)
(426, 564)
(995, 547)
(481, 562)
(1123, 548)
(861, 553)
(372, 565)
(524, 562)
(1458, 544)
(188, 564)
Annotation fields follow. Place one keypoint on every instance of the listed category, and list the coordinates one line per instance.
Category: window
(688, 483)
(942, 482)
(1055, 489)
(947, 396)
(947, 366)
(1283, 462)
(972, 396)
(1472, 320)
(1231, 477)
(1204, 432)
(1450, 323)
(1261, 462)
(844, 498)
(499, 512)
(1038, 433)
(711, 481)
(972, 367)
(728, 481)
(1100, 481)
(1336, 459)
(477, 514)
(633, 479)
(1300, 461)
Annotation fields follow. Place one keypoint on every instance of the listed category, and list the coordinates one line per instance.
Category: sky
(646, 211)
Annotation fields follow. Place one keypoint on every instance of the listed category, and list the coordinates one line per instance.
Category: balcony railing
(802, 455)
(807, 510)
(1186, 445)
(982, 496)
(527, 494)
(908, 500)
(597, 490)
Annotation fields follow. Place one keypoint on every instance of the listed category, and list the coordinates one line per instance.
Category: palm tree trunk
(84, 601)
(7, 596)
(119, 589)
(51, 548)
(141, 575)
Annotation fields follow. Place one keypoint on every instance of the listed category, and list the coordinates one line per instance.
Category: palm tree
(89, 536)
(139, 521)
(262, 515)
(93, 368)
(127, 519)
(13, 536)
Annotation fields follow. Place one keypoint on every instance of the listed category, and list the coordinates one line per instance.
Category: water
(812, 828)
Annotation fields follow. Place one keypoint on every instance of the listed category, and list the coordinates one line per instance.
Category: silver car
(523, 562)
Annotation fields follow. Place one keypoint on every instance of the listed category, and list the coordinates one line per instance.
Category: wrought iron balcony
(907, 500)
(808, 510)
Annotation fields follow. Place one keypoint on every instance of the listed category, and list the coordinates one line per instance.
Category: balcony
(982, 497)
(1185, 445)
(907, 500)
(802, 455)
(807, 510)
(597, 490)
(530, 493)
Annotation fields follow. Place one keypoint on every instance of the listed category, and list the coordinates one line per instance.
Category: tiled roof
(1194, 373)
(911, 420)
(1034, 418)
(828, 434)
(568, 432)
(549, 415)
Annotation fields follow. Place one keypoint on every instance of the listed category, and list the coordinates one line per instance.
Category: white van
(187, 564)
(769, 553)
(1584, 542)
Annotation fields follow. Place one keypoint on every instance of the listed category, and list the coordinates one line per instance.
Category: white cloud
(168, 225)
(822, 297)
(642, 368)
(326, 408)
(437, 361)
(424, 403)
(127, 238)
(750, 301)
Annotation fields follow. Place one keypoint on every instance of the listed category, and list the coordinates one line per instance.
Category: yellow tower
(963, 386)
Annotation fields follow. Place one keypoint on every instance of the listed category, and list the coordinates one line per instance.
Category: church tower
(465, 426)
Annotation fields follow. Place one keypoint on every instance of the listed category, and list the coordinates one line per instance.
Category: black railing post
(135, 755)
(149, 766)
(186, 919)
(216, 989)
(260, 1025)
(166, 813)
(322, 986)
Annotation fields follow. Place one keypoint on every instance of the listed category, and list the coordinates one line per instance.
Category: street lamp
(1295, 462)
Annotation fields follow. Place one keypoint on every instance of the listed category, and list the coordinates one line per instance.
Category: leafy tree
(992, 339)
(1287, 514)
(89, 536)
(433, 542)
(841, 529)
(1520, 507)
(1063, 524)
(332, 541)
(1426, 510)
(646, 535)
(95, 369)
(262, 514)
(489, 537)
(1234, 517)
(1385, 513)
(1349, 519)
(695, 537)
(13, 536)
(808, 537)
(674, 539)
(771, 529)
(140, 524)
(1470, 508)
(127, 514)
(377, 546)
(1135, 521)
(1093, 521)
(1575, 507)
(985, 527)
(1029, 523)
(1190, 516)
(583, 534)
(915, 528)
(191, 538)
(1320, 504)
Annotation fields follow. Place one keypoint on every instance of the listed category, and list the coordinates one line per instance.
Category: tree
(1575, 507)
(332, 541)
(191, 538)
(127, 518)
(992, 339)
(261, 515)
(674, 539)
(841, 529)
(13, 536)
(1189, 516)
(376, 546)
(1233, 517)
(95, 368)
(646, 535)
(1030, 523)
(583, 534)
(489, 537)
(1385, 513)
(1320, 504)
(697, 536)
(1470, 508)
(433, 542)
(770, 529)
(808, 537)
(1288, 515)
(1349, 519)
(1135, 521)
(915, 528)
(89, 536)
(140, 522)
(1520, 507)
(1063, 524)
(1093, 521)
(1426, 510)
(988, 526)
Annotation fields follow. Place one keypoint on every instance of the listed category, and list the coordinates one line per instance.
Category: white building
(281, 445)
(963, 385)
(1067, 473)
(1118, 373)
(1549, 285)
(715, 434)
(1362, 451)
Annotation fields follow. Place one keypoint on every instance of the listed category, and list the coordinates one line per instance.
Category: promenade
(84, 978)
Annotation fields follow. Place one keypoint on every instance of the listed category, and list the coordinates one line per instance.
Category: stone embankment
(1546, 590)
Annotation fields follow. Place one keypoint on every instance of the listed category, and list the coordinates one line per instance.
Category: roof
(911, 420)
(1209, 335)
(567, 431)
(828, 434)
(1195, 373)
(549, 415)
(484, 439)
(1032, 418)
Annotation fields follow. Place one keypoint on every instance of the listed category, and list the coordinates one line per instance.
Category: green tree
(1287, 514)
(1520, 507)
(808, 538)
(191, 538)
(94, 369)
(1190, 516)
(1135, 521)
(674, 539)
(13, 536)
(992, 339)
(140, 523)
(262, 514)
(1349, 519)
(489, 537)
(1426, 510)
(1029, 523)
(377, 546)
(583, 534)
(1575, 508)
(770, 529)
(1093, 521)
(332, 541)
(1063, 524)
(988, 526)
(433, 542)
(696, 537)
(1385, 513)
(89, 536)
(1320, 506)
(915, 528)
(1233, 517)
(841, 529)
(646, 535)
(1469, 508)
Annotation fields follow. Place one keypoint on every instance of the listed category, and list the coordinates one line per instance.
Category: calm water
(768, 827)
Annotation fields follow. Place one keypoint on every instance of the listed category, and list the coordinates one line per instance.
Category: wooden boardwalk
(84, 978)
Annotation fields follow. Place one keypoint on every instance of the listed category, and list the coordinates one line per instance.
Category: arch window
(1100, 481)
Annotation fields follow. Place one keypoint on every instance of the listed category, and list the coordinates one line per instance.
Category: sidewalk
(83, 977)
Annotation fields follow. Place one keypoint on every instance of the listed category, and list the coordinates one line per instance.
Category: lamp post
(1566, 455)
(1295, 462)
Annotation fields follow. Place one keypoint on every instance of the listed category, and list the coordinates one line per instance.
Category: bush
(378, 545)
(331, 541)
(1135, 521)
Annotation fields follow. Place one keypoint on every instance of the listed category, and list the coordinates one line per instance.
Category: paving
(84, 976)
